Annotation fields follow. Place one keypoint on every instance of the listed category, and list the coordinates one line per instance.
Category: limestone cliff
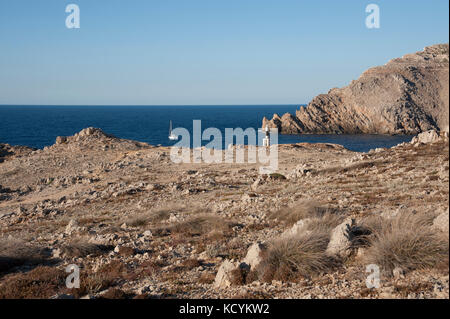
(408, 95)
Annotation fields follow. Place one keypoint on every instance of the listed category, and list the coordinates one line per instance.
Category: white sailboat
(172, 136)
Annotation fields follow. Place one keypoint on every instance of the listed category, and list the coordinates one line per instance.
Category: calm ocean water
(38, 126)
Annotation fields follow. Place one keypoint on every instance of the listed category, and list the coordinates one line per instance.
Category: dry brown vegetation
(105, 277)
(407, 241)
(172, 228)
(152, 217)
(199, 225)
(41, 282)
(295, 258)
(302, 210)
(191, 263)
(82, 248)
(207, 278)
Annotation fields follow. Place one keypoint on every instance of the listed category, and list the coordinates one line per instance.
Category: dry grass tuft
(239, 276)
(105, 277)
(201, 225)
(152, 217)
(324, 223)
(191, 263)
(159, 215)
(407, 241)
(301, 210)
(81, 248)
(289, 260)
(207, 278)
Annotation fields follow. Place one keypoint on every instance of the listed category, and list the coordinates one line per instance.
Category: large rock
(427, 137)
(254, 255)
(224, 274)
(441, 222)
(408, 95)
(341, 239)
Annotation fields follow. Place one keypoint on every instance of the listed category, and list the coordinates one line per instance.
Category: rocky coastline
(408, 95)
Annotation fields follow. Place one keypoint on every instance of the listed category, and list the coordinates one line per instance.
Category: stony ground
(139, 225)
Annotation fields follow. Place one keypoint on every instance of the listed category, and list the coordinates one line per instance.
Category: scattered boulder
(226, 275)
(441, 222)
(254, 255)
(341, 239)
(426, 137)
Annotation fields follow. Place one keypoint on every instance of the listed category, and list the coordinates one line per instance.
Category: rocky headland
(408, 95)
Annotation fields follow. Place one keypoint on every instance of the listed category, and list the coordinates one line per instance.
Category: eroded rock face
(340, 240)
(408, 95)
(224, 274)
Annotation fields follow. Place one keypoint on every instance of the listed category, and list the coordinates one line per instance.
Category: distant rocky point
(408, 95)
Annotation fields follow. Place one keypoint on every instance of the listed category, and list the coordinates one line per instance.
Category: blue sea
(38, 126)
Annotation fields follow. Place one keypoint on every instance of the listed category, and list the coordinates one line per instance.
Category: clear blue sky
(202, 51)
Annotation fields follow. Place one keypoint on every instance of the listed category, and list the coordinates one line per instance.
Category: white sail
(172, 136)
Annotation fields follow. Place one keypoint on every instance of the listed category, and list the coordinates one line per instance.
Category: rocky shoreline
(140, 226)
(408, 95)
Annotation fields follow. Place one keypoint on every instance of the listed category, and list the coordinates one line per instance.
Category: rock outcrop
(408, 95)
(341, 239)
(92, 137)
(426, 137)
(8, 151)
